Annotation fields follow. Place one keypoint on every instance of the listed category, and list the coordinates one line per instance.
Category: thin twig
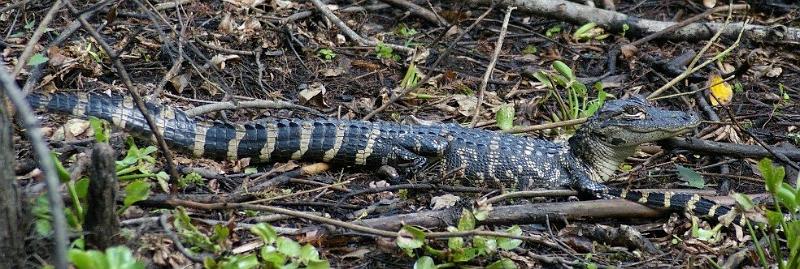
(498, 46)
(34, 132)
(134, 92)
(349, 32)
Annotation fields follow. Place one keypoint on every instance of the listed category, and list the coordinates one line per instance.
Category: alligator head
(614, 132)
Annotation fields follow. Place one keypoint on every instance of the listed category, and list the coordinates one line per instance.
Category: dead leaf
(219, 59)
(179, 82)
(628, 51)
(226, 24)
(466, 103)
(709, 3)
(314, 95)
(444, 201)
(774, 72)
(357, 254)
(721, 91)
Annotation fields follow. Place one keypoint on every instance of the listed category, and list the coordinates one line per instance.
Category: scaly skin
(587, 160)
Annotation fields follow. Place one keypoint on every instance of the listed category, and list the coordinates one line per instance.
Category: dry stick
(26, 53)
(349, 32)
(131, 89)
(248, 104)
(731, 149)
(615, 22)
(339, 223)
(685, 22)
(419, 11)
(498, 46)
(34, 132)
(434, 65)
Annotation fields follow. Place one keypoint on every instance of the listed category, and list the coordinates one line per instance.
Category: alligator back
(334, 141)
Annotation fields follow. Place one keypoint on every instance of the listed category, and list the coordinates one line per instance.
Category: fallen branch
(736, 150)
(422, 12)
(614, 21)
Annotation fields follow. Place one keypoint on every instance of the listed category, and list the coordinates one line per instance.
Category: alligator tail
(695, 203)
(333, 141)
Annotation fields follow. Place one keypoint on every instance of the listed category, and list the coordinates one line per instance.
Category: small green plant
(138, 164)
(625, 28)
(404, 31)
(37, 59)
(458, 251)
(192, 178)
(411, 78)
(787, 200)
(383, 51)
(119, 257)
(692, 178)
(784, 94)
(326, 54)
(577, 103)
(589, 31)
(505, 117)
(191, 235)
(530, 49)
(552, 31)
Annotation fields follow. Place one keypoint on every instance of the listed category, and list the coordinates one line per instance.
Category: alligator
(584, 162)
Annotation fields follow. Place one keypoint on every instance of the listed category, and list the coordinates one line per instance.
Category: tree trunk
(12, 242)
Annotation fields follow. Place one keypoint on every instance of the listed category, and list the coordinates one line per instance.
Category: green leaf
(564, 70)
(62, 172)
(692, 178)
(581, 31)
(467, 220)
(410, 238)
(37, 59)
(101, 133)
(504, 263)
(510, 243)
(271, 256)
(484, 244)
(136, 191)
(424, 262)
(454, 243)
(773, 175)
(411, 78)
(92, 259)
(266, 232)
(744, 201)
(82, 187)
(287, 246)
(221, 233)
(120, 257)
(308, 253)
(318, 265)
(544, 79)
(553, 30)
(249, 170)
(240, 262)
(466, 254)
(774, 218)
(505, 117)
(786, 196)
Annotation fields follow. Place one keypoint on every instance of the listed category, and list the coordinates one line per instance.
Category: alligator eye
(633, 112)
